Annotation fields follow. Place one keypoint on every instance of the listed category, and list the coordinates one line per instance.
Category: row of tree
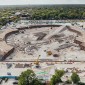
(42, 13)
(59, 13)
(56, 78)
(29, 78)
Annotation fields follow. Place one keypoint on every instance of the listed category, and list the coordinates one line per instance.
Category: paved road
(42, 61)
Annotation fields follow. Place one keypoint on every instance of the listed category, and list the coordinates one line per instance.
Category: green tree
(60, 72)
(62, 16)
(81, 83)
(83, 15)
(28, 78)
(75, 78)
(57, 77)
(36, 82)
(68, 81)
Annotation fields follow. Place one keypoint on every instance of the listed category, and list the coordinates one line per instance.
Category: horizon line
(38, 4)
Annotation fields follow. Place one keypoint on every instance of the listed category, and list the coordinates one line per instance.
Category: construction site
(58, 43)
(43, 48)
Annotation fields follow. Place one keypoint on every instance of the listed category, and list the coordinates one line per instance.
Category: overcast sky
(22, 2)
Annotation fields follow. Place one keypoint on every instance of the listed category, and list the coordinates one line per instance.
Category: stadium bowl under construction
(50, 43)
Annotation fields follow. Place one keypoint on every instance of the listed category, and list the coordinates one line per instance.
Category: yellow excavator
(37, 61)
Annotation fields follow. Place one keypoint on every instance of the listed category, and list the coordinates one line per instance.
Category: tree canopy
(60, 12)
(56, 78)
(75, 78)
(29, 78)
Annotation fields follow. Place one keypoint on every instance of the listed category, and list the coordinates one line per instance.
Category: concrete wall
(82, 47)
(77, 42)
(7, 54)
(73, 30)
(8, 34)
(38, 26)
(6, 51)
(35, 26)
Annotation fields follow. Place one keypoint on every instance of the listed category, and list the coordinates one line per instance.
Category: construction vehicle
(37, 61)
